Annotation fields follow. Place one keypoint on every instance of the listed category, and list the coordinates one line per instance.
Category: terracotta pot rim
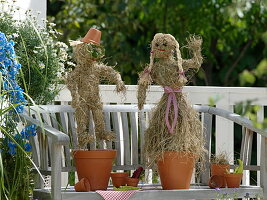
(130, 178)
(101, 153)
(119, 174)
(226, 165)
(178, 154)
(233, 175)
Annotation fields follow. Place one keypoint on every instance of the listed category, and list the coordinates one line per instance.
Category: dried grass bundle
(83, 83)
(222, 158)
(168, 69)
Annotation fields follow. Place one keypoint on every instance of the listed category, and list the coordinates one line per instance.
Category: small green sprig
(126, 188)
(238, 169)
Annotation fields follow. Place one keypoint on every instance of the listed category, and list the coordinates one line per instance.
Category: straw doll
(83, 83)
(174, 125)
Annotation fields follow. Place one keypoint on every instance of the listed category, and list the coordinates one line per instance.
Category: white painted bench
(51, 151)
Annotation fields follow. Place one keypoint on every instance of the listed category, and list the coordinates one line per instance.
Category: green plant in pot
(174, 138)
(233, 179)
(219, 165)
(83, 83)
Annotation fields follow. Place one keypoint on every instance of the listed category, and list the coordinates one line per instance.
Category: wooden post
(56, 172)
(225, 133)
(263, 168)
(260, 118)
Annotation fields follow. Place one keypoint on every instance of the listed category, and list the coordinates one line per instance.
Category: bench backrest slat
(126, 139)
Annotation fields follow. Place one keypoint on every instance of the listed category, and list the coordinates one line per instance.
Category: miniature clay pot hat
(92, 36)
(216, 181)
(82, 186)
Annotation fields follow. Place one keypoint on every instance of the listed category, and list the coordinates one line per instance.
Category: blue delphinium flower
(12, 148)
(22, 139)
(9, 69)
(27, 147)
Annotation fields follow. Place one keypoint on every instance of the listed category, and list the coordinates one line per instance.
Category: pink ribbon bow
(171, 100)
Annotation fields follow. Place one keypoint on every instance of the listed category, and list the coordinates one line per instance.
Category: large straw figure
(174, 125)
(83, 82)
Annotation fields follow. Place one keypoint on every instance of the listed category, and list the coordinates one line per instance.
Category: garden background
(234, 36)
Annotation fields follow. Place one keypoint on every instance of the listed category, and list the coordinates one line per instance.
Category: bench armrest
(57, 136)
(243, 121)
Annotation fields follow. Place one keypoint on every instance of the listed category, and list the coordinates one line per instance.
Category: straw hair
(83, 83)
(166, 68)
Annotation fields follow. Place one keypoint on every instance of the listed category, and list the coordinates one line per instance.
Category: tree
(233, 33)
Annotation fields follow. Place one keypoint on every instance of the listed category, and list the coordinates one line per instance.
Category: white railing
(225, 98)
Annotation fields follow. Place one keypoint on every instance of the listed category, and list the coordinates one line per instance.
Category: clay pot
(119, 178)
(219, 170)
(216, 181)
(132, 181)
(95, 165)
(175, 170)
(82, 186)
(233, 180)
(92, 36)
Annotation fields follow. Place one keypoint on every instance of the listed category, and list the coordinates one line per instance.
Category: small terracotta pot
(92, 36)
(219, 170)
(82, 186)
(233, 180)
(132, 181)
(216, 181)
(119, 178)
(95, 165)
(175, 170)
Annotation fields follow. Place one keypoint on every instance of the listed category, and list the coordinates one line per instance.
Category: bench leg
(56, 172)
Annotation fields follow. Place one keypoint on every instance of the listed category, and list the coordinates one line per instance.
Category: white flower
(70, 63)
(61, 44)
(15, 35)
(42, 66)
(61, 66)
(34, 51)
(52, 24)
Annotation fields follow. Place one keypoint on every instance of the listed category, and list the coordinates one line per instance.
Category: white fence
(225, 97)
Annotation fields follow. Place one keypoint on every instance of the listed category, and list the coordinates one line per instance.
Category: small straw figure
(174, 125)
(83, 83)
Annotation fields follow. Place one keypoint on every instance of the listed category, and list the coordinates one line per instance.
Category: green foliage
(15, 162)
(126, 188)
(40, 53)
(239, 168)
(17, 175)
(233, 33)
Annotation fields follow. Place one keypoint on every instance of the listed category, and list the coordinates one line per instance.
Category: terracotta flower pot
(216, 181)
(219, 170)
(82, 186)
(119, 178)
(92, 36)
(175, 170)
(132, 181)
(95, 165)
(233, 180)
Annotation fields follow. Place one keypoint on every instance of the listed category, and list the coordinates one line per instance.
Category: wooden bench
(52, 151)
